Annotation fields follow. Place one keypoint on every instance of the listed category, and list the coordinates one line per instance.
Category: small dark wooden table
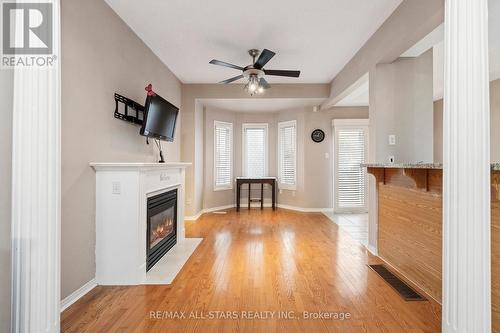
(255, 180)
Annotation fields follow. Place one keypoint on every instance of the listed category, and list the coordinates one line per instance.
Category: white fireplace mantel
(138, 166)
(122, 190)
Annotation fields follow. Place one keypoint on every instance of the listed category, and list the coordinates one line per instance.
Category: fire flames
(161, 231)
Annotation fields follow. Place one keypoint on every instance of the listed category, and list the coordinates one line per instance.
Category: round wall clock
(317, 135)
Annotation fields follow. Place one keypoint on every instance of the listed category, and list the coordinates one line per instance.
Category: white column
(466, 172)
(372, 157)
(372, 215)
(36, 195)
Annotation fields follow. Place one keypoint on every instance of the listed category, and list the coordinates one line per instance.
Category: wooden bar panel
(410, 228)
(410, 234)
(396, 177)
(435, 181)
(495, 250)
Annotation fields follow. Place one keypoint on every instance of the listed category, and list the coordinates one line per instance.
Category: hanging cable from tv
(158, 144)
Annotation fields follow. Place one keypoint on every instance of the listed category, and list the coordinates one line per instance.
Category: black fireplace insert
(161, 233)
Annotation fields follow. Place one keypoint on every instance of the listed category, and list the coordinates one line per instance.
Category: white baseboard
(77, 294)
(257, 205)
(306, 210)
(268, 203)
(214, 209)
(207, 210)
(372, 250)
(193, 217)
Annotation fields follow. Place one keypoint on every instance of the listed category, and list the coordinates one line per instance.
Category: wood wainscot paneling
(410, 224)
(410, 228)
(495, 250)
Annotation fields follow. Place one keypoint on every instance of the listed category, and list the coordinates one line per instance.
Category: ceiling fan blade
(232, 79)
(276, 72)
(264, 58)
(225, 64)
(264, 84)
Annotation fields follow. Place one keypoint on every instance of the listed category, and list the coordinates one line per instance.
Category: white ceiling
(262, 104)
(317, 37)
(435, 40)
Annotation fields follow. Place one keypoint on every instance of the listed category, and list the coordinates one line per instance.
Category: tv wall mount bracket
(133, 112)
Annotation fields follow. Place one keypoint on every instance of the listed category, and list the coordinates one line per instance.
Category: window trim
(244, 126)
(216, 187)
(282, 186)
(346, 124)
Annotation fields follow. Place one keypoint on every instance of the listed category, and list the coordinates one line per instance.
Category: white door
(350, 180)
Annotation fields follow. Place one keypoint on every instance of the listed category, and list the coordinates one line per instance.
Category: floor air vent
(407, 293)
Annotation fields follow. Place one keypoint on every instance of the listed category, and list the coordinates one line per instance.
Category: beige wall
(198, 167)
(192, 149)
(494, 130)
(314, 170)
(495, 120)
(318, 171)
(409, 23)
(438, 131)
(6, 97)
(402, 104)
(100, 56)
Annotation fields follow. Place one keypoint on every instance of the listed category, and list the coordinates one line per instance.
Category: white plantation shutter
(255, 150)
(223, 155)
(351, 178)
(287, 154)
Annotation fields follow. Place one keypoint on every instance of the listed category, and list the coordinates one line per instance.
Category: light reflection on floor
(255, 260)
(287, 261)
(356, 225)
(349, 256)
(220, 274)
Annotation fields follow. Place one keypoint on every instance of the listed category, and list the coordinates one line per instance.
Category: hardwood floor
(260, 261)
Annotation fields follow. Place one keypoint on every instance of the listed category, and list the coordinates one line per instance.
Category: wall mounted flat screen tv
(160, 117)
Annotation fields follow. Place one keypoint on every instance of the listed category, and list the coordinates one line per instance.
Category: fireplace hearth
(161, 234)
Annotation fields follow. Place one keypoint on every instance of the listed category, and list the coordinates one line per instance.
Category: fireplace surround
(161, 233)
(123, 191)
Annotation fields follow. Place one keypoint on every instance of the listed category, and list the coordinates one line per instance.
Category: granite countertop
(404, 165)
(494, 166)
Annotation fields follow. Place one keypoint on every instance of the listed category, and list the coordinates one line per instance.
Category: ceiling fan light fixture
(253, 84)
(255, 72)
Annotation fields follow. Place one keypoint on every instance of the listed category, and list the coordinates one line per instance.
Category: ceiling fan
(255, 72)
